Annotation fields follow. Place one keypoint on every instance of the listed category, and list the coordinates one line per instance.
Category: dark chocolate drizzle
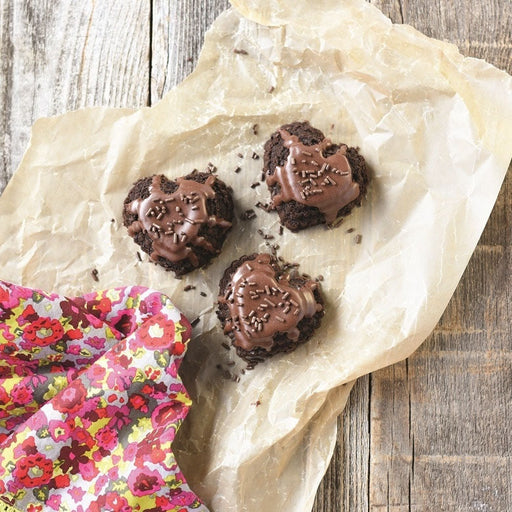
(173, 221)
(262, 303)
(310, 178)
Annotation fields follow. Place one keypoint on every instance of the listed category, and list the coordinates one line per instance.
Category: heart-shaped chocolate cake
(181, 224)
(311, 180)
(266, 307)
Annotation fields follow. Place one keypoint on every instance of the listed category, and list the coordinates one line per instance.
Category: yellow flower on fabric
(140, 430)
(59, 382)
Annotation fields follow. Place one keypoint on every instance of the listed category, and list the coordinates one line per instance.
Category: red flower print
(143, 481)
(114, 502)
(33, 470)
(70, 399)
(106, 438)
(74, 334)
(60, 482)
(4, 397)
(139, 402)
(44, 331)
(157, 332)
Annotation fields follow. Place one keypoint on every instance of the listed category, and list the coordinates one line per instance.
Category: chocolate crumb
(94, 274)
(112, 220)
(320, 278)
(238, 51)
(256, 403)
(238, 169)
(255, 156)
(256, 184)
(203, 294)
(350, 230)
(188, 288)
(255, 129)
(211, 168)
(248, 215)
(226, 346)
(218, 366)
(195, 322)
(358, 239)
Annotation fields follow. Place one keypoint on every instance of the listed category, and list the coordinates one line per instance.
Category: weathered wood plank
(439, 436)
(177, 38)
(60, 55)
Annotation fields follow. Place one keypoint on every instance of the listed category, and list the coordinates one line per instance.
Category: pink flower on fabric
(116, 503)
(143, 481)
(54, 501)
(89, 471)
(76, 493)
(59, 430)
(167, 413)
(96, 342)
(157, 332)
(21, 394)
(184, 498)
(106, 438)
(70, 399)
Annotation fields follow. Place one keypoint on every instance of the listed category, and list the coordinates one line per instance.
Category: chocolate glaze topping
(173, 221)
(310, 178)
(263, 303)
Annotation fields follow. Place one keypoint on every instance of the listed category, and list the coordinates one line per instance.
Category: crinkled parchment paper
(434, 127)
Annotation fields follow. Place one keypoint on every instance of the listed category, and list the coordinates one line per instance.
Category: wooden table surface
(432, 433)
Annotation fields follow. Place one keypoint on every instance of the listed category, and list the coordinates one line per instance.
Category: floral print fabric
(90, 402)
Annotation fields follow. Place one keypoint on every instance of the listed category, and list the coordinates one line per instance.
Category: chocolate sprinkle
(358, 239)
(255, 156)
(138, 256)
(195, 322)
(255, 129)
(238, 51)
(256, 184)
(238, 169)
(203, 294)
(226, 346)
(271, 89)
(189, 287)
(94, 274)
(350, 230)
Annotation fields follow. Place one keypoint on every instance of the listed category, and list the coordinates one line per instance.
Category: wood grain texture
(439, 437)
(177, 34)
(428, 434)
(61, 55)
